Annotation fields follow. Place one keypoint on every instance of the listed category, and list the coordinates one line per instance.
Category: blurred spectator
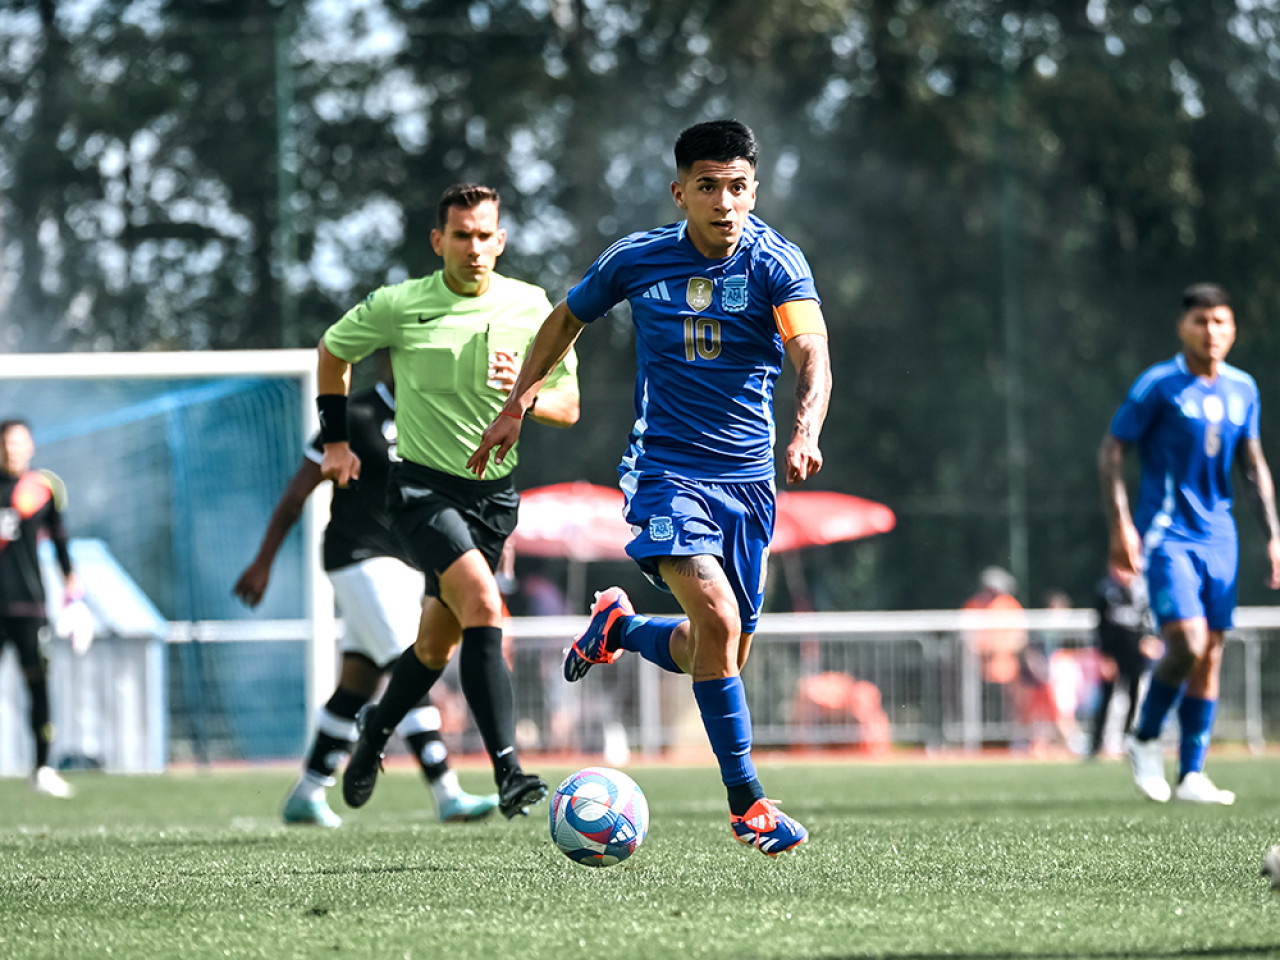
(834, 698)
(1051, 683)
(996, 643)
(997, 647)
(1127, 645)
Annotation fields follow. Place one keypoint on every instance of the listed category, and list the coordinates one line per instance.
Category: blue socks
(1195, 718)
(651, 638)
(1195, 715)
(723, 705)
(1155, 707)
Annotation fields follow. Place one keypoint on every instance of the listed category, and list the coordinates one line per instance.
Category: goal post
(82, 404)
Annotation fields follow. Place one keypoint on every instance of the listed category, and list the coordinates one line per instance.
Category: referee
(456, 339)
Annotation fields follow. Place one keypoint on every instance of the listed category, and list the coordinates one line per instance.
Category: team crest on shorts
(698, 293)
(733, 293)
(661, 528)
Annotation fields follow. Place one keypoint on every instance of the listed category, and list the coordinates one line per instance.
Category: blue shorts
(1187, 581)
(686, 518)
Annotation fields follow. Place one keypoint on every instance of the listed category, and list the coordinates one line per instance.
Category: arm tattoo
(813, 393)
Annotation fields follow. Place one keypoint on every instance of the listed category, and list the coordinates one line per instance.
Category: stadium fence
(863, 681)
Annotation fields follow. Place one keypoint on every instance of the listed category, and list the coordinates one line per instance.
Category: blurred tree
(1001, 200)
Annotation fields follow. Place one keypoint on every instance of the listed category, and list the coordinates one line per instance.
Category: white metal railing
(823, 679)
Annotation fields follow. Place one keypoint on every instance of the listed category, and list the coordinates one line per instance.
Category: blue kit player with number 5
(1191, 418)
(718, 300)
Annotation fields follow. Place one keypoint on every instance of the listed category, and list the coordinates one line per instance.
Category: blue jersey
(708, 351)
(1187, 431)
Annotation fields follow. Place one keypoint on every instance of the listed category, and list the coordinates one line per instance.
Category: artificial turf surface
(908, 859)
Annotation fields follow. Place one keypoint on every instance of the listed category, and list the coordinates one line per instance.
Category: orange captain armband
(799, 316)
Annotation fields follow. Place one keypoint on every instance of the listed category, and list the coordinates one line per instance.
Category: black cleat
(361, 775)
(519, 792)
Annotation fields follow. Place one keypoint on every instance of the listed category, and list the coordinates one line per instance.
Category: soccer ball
(1271, 866)
(599, 816)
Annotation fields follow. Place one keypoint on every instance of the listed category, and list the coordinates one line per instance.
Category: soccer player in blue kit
(1191, 418)
(718, 299)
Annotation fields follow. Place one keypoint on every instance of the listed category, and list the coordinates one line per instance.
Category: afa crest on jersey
(661, 528)
(698, 293)
(733, 293)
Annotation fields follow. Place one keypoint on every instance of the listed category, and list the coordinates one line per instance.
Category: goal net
(175, 461)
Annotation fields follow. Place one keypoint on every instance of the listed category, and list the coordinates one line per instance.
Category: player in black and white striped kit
(29, 506)
(380, 597)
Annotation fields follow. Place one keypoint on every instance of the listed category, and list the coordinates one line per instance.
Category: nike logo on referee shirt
(422, 319)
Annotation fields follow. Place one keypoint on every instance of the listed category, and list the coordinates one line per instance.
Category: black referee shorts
(24, 633)
(437, 517)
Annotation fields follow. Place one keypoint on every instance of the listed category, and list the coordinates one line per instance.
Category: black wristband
(332, 408)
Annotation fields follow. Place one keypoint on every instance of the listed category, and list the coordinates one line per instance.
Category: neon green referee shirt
(440, 347)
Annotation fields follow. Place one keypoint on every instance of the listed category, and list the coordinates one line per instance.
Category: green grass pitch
(908, 859)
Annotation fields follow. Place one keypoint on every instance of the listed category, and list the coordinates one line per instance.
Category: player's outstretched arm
(1258, 474)
(809, 355)
(252, 582)
(333, 377)
(1125, 549)
(555, 338)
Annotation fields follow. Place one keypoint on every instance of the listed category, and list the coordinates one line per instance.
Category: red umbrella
(580, 521)
(583, 521)
(811, 518)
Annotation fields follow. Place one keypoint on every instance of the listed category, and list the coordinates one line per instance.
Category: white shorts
(381, 603)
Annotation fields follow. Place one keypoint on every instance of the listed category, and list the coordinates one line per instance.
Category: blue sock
(1155, 707)
(651, 638)
(1195, 714)
(727, 719)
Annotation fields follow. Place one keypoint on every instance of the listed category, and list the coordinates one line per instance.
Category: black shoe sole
(361, 775)
(535, 791)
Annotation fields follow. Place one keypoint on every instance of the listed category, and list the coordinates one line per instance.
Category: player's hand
(72, 590)
(804, 459)
(502, 370)
(1273, 555)
(252, 584)
(1125, 552)
(499, 437)
(340, 464)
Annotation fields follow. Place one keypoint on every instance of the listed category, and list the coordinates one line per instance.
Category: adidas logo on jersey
(657, 292)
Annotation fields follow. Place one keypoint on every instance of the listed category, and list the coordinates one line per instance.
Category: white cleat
(1146, 760)
(1195, 787)
(46, 780)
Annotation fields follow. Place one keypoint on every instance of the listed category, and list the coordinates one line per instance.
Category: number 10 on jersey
(701, 338)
